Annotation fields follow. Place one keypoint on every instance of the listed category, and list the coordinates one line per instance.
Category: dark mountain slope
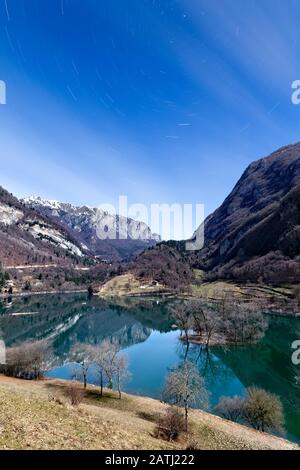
(165, 265)
(255, 233)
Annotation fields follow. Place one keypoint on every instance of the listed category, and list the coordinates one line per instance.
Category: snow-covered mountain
(107, 236)
(28, 237)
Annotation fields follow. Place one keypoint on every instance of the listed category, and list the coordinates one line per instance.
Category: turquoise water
(144, 332)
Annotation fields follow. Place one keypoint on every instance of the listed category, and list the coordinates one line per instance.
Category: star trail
(161, 100)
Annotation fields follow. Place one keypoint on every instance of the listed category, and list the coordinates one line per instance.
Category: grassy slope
(127, 284)
(30, 420)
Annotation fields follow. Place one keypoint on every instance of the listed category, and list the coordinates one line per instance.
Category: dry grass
(215, 290)
(36, 415)
(218, 290)
(127, 284)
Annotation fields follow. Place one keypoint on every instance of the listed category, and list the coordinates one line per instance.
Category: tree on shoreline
(28, 360)
(263, 410)
(180, 314)
(184, 387)
(205, 320)
(232, 322)
(231, 408)
(111, 350)
(260, 409)
(121, 372)
(83, 355)
(110, 362)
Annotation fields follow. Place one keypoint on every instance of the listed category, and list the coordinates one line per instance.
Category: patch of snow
(55, 205)
(37, 200)
(53, 236)
(81, 217)
(17, 314)
(9, 215)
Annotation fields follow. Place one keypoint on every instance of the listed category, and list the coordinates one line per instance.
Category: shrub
(263, 410)
(192, 443)
(28, 360)
(260, 409)
(75, 394)
(231, 408)
(55, 399)
(170, 425)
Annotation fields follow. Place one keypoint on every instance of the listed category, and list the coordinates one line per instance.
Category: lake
(144, 331)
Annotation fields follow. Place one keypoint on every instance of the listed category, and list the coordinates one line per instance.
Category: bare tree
(100, 361)
(111, 350)
(28, 360)
(98, 355)
(231, 408)
(185, 387)
(101, 356)
(112, 365)
(180, 313)
(84, 356)
(197, 318)
(244, 324)
(205, 320)
(74, 393)
(121, 371)
(170, 425)
(230, 320)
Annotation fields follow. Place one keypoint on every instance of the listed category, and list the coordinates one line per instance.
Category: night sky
(163, 101)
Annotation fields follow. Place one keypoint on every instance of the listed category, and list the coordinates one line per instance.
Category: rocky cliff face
(109, 237)
(27, 237)
(255, 233)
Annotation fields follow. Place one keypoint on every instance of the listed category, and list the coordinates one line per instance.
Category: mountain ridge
(258, 221)
(83, 222)
(26, 236)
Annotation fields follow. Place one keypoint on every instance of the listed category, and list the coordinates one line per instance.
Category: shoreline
(29, 294)
(159, 293)
(214, 341)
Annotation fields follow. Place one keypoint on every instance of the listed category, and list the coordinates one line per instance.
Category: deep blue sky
(161, 100)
